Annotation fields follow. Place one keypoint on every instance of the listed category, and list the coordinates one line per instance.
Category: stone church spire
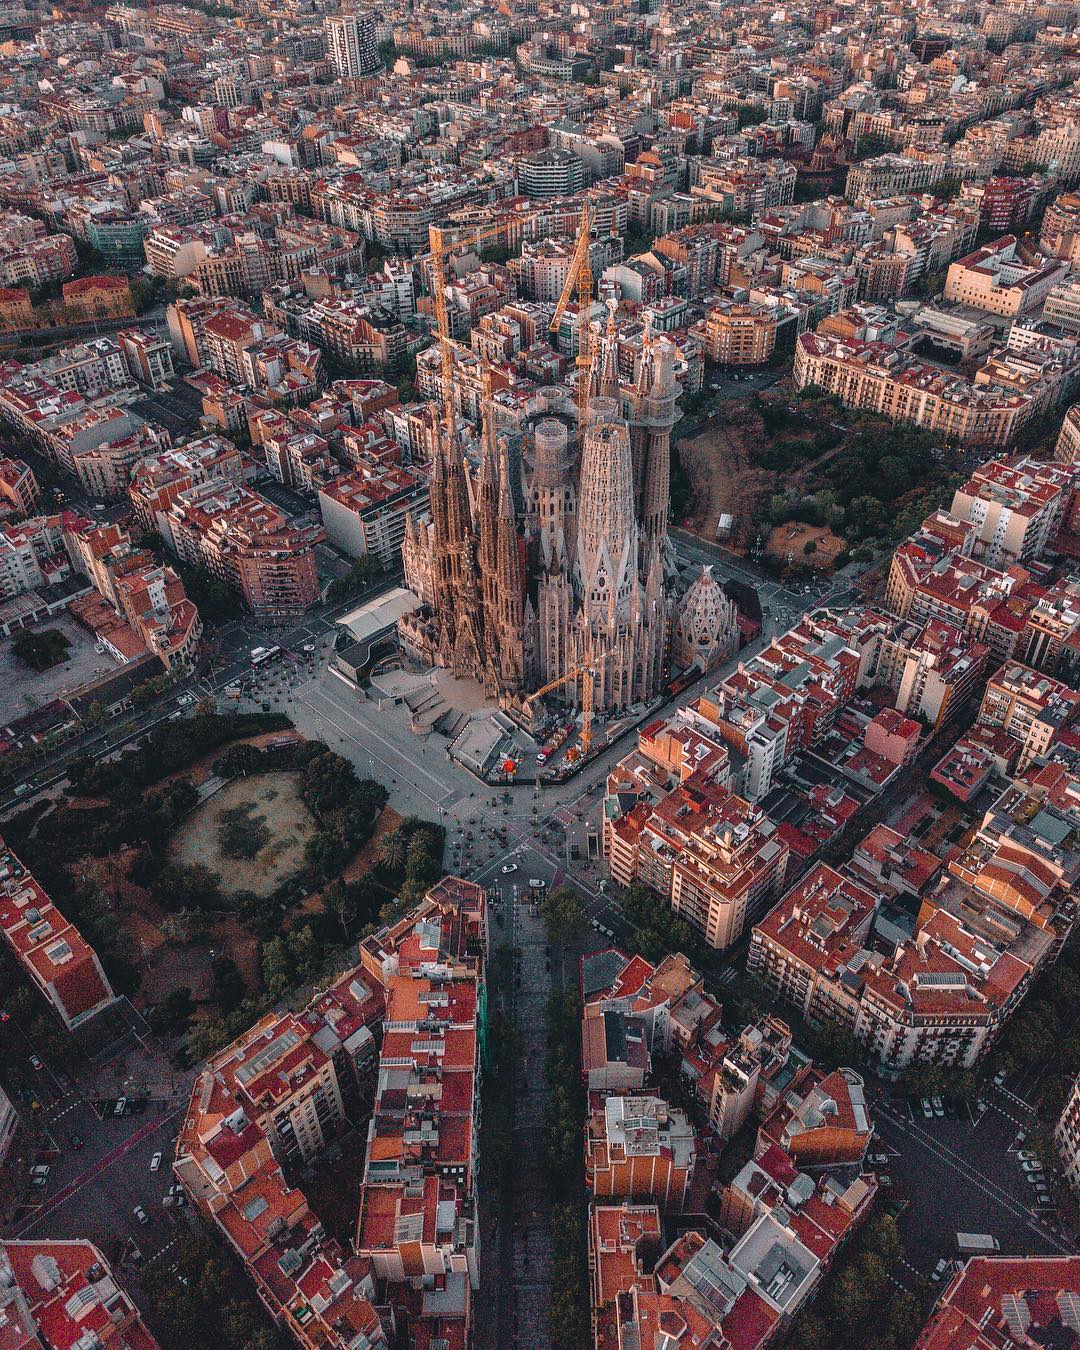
(510, 583)
(658, 414)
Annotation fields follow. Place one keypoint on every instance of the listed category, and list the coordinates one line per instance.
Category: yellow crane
(588, 671)
(443, 240)
(580, 278)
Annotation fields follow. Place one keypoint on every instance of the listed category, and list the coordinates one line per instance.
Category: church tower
(509, 587)
(658, 414)
(606, 567)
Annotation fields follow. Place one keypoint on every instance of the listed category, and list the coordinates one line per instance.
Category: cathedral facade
(573, 571)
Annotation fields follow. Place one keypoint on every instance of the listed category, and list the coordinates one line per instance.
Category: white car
(999, 1078)
(141, 1214)
(927, 1109)
(1031, 1167)
(508, 868)
(155, 1162)
(939, 1270)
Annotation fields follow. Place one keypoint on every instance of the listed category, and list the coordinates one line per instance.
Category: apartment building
(640, 1147)
(65, 1293)
(1067, 1136)
(940, 997)
(36, 552)
(714, 856)
(61, 965)
(737, 334)
(274, 1097)
(1031, 708)
(994, 280)
(1016, 508)
(551, 173)
(998, 1300)
(825, 1122)
(367, 511)
(159, 479)
(877, 377)
(351, 43)
(1059, 234)
(243, 540)
(134, 592)
(418, 1222)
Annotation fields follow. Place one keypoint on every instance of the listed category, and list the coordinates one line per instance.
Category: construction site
(544, 572)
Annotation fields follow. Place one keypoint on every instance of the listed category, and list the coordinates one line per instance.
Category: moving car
(36, 1063)
(508, 868)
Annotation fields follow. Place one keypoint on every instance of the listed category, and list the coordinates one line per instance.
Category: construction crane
(587, 671)
(579, 278)
(443, 240)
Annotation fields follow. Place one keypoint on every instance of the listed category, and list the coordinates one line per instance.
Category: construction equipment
(580, 278)
(443, 240)
(587, 671)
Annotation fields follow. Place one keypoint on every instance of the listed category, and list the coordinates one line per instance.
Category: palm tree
(392, 849)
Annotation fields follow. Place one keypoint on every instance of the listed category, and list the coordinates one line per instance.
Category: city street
(961, 1174)
(516, 1257)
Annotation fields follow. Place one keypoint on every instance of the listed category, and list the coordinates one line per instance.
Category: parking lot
(961, 1172)
(100, 1170)
(23, 689)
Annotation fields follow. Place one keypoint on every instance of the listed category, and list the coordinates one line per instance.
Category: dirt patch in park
(787, 546)
(723, 481)
(252, 833)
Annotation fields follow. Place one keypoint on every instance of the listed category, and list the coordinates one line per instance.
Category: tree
(40, 650)
(183, 927)
(172, 1016)
(392, 849)
(54, 1043)
(228, 983)
(563, 914)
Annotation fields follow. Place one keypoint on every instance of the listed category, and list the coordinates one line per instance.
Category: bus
(259, 655)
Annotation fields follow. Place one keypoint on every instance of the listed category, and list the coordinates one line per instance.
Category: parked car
(1026, 1155)
(939, 1270)
(36, 1063)
(39, 1181)
(1031, 1167)
(121, 1106)
(927, 1109)
(938, 1105)
(508, 868)
(878, 1159)
(75, 1140)
(155, 1162)
(141, 1214)
(999, 1078)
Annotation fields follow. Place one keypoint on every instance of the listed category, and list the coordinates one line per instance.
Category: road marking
(972, 1175)
(92, 1173)
(344, 712)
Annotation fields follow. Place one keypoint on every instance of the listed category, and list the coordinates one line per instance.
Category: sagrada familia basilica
(550, 559)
